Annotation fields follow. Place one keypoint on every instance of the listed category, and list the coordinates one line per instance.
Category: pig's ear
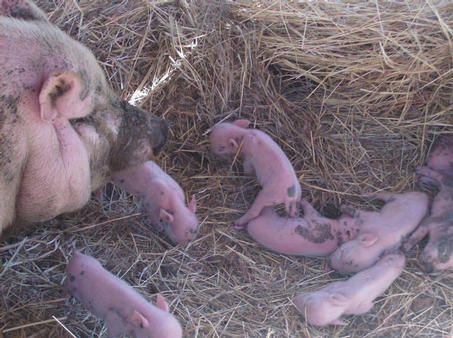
(338, 299)
(243, 123)
(60, 96)
(367, 239)
(233, 144)
(193, 204)
(138, 321)
(161, 303)
(165, 215)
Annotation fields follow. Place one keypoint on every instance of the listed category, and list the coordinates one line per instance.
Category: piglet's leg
(262, 200)
(308, 209)
(417, 235)
(383, 196)
(115, 324)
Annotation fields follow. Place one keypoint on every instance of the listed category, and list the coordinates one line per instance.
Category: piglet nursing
(164, 200)
(263, 156)
(381, 231)
(124, 309)
(438, 253)
(353, 296)
(311, 235)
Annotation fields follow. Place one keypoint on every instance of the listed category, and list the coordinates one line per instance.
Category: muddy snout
(159, 134)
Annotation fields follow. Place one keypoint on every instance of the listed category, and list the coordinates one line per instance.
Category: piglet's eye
(221, 148)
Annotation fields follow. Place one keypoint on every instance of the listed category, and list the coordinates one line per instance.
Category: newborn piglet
(163, 199)
(260, 154)
(311, 235)
(438, 253)
(352, 296)
(124, 309)
(380, 231)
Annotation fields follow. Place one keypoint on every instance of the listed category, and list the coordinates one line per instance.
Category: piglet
(438, 253)
(261, 154)
(163, 199)
(124, 309)
(353, 296)
(381, 231)
(311, 235)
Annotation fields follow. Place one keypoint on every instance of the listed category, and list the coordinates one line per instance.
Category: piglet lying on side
(261, 154)
(163, 199)
(124, 309)
(438, 253)
(353, 296)
(312, 235)
(381, 231)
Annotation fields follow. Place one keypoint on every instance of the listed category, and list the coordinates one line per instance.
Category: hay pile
(354, 93)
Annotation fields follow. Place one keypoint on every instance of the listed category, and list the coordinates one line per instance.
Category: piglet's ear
(161, 303)
(138, 321)
(193, 204)
(367, 239)
(60, 96)
(166, 216)
(243, 123)
(338, 299)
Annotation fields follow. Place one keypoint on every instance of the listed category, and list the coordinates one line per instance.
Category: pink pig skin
(261, 154)
(438, 253)
(163, 199)
(124, 309)
(381, 231)
(353, 296)
(312, 235)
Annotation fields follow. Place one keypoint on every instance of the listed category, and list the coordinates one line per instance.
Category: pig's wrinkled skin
(62, 130)
(163, 199)
(438, 253)
(110, 298)
(353, 296)
(380, 231)
(263, 156)
(312, 235)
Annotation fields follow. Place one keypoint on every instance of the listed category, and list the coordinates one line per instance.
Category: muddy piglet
(438, 253)
(311, 235)
(263, 156)
(353, 296)
(124, 309)
(163, 199)
(381, 231)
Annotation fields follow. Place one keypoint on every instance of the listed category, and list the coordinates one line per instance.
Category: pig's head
(321, 307)
(180, 224)
(356, 254)
(158, 323)
(126, 134)
(226, 137)
(73, 88)
(438, 253)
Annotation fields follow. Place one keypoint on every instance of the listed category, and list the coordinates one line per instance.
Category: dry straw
(354, 92)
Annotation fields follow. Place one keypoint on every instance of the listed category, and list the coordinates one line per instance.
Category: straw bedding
(354, 93)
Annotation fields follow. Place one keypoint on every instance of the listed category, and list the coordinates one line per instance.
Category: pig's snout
(159, 134)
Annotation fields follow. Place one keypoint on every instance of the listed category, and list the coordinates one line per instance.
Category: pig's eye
(221, 148)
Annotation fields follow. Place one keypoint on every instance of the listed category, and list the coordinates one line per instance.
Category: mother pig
(62, 130)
